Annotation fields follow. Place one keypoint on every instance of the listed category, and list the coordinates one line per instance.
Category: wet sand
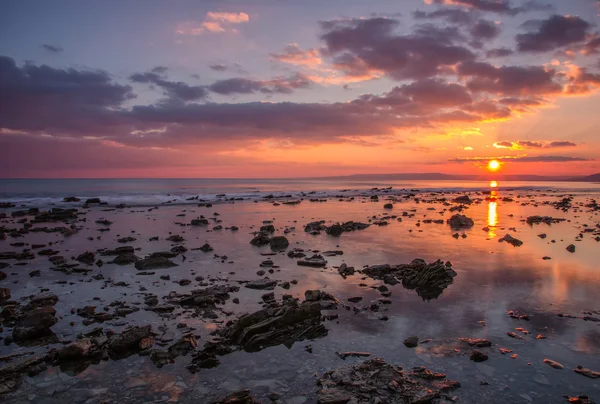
(492, 279)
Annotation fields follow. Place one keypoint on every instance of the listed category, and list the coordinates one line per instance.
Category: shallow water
(492, 278)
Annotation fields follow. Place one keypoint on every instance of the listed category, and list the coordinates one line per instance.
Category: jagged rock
(117, 251)
(428, 280)
(478, 356)
(44, 299)
(318, 295)
(375, 381)
(129, 338)
(35, 324)
(460, 221)
(262, 284)
(87, 258)
(125, 259)
(587, 372)
(279, 243)
(260, 240)
(76, 350)
(511, 240)
(208, 297)
(206, 248)
(154, 262)
(316, 261)
(283, 324)
(344, 270)
(199, 222)
(335, 230)
(315, 226)
(239, 397)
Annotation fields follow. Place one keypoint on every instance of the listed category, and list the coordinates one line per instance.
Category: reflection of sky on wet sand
(492, 277)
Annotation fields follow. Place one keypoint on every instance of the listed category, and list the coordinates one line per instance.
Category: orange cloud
(215, 22)
(295, 55)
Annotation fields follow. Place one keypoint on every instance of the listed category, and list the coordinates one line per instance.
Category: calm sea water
(149, 191)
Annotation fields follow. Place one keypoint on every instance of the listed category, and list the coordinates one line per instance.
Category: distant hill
(451, 177)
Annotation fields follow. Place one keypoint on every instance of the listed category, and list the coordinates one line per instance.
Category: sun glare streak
(492, 219)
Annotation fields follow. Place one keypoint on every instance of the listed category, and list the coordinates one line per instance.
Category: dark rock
(92, 200)
(35, 324)
(571, 248)
(460, 221)
(129, 338)
(154, 262)
(335, 230)
(316, 261)
(262, 284)
(411, 342)
(260, 240)
(279, 243)
(478, 356)
(125, 259)
(87, 258)
(199, 222)
(511, 240)
(375, 381)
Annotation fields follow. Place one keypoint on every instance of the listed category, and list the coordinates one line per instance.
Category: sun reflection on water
(492, 218)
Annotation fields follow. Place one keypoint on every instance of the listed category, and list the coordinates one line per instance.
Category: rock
(239, 397)
(571, 248)
(175, 238)
(344, 270)
(428, 280)
(318, 295)
(335, 230)
(460, 221)
(35, 324)
(261, 284)
(411, 342)
(464, 199)
(125, 259)
(553, 364)
(260, 240)
(355, 299)
(71, 199)
(4, 295)
(477, 342)
(76, 350)
(199, 222)
(478, 356)
(117, 251)
(511, 240)
(269, 228)
(316, 261)
(44, 299)
(87, 258)
(92, 200)
(279, 243)
(130, 338)
(154, 262)
(206, 248)
(388, 206)
(375, 381)
(587, 372)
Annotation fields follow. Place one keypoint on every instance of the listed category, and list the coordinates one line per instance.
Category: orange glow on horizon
(493, 184)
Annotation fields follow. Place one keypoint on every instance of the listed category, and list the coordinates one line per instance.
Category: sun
(493, 165)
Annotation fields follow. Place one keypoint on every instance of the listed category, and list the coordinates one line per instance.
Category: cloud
(553, 33)
(215, 22)
(37, 98)
(281, 85)
(455, 16)
(175, 90)
(232, 18)
(485, 29)
(295, 55)
(219, 67)
(366, 47)
(506, 80)
(499, 52)
(52, 48)
(495, 6)
(528, 144)
(523, 159)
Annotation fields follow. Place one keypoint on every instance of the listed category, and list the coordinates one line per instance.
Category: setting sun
(493, 165)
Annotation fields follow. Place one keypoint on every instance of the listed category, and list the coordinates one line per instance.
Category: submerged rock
(154, 262)
(375, 381)
(316, 261)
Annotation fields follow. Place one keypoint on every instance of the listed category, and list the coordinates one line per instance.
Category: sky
(268, 89)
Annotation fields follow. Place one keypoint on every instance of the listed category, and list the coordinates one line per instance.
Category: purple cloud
(553, 33)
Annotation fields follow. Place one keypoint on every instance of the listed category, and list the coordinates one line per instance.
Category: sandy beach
(143, 303)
